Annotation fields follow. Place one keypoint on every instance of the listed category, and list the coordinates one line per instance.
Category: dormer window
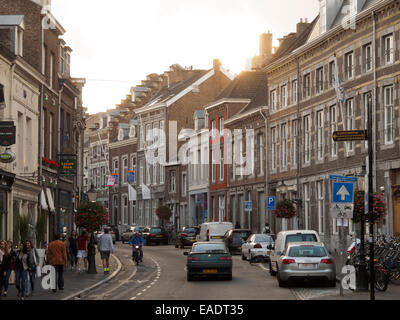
(322, 14)
(121, 134)
(19, 42)
(132, 132)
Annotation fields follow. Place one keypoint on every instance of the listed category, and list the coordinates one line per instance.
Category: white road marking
(144, 290)
(148, 287)
(139, 293)
(132, 298)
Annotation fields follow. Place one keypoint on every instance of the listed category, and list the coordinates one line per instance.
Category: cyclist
(137, 240)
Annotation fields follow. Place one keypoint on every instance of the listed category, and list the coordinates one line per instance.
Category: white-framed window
(141, 171)
(272, 100)
(103, 177)
(116, 165)
(294, 142)
(320, 134)
(125, 169)
(162, 129)
(149, 135)
(184, 184)
(333, 125)
(388, 114)
(307, 86)
(388, 49)
(319, 81)
(367, 57)
(172, 181)
(350, 122)
(307, 139)
(307, 209)
(133, 162)
(155, 166)
(221, 163)
(213, 164)
(161, 171)
(124, 205)
(294, 92)
(349, 66)
(273, 148)
(283, 96)
(261, 152)
(283, 146)
(148, 175)
(221, 125)
(221, 208)
(320, 201)
(141, 137)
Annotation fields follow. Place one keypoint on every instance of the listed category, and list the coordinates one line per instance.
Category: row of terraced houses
(289, 100)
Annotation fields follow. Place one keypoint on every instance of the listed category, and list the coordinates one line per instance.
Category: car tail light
(231, 238)
(151, 234)
(351, 250)
(257, 246)
(193, 258)
(208, 235)
(327, 261)
(288, 261)
(184, 235)
(228, 258)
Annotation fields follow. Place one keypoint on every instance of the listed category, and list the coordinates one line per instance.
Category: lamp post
(92, 195)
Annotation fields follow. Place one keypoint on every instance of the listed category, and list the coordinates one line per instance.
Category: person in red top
(82, 244)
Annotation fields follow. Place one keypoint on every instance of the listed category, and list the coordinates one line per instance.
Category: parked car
(214, 231)
(208, 259)
(186, 236)
(282, 239)
(256, 247)
(157, 235)
(129, 232)
(306, 261)
(99, 233)
(234, 239)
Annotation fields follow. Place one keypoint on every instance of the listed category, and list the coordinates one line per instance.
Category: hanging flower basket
(379, 207)
(163, 213)
(91, 216)
(285, 209)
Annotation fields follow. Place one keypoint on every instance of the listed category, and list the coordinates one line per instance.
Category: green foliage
(40, 228)
(23, 227)
(164, 213)
(379, 207)
(285, 209)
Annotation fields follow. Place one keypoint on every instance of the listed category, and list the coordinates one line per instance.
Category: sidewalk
(392, 293)
(74, 282)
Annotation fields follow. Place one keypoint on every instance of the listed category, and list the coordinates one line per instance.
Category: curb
(113, 275)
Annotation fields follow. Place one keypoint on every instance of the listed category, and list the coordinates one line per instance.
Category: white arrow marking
(343, 193)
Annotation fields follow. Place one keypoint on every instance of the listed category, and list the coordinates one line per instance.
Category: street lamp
(92, 195)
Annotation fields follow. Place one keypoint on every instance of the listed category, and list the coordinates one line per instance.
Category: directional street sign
(351, 135)
(271, 203)
(248, 206)
(342, 178)
(342, 192)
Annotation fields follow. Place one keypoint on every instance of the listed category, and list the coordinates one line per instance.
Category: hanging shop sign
(7, 157)
(7, 133)
(67, 166)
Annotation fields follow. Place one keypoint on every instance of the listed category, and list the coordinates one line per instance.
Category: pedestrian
(267, 229)
(4, 261)
(105, 246)
(82, 244)
(57, 257)
(237, 225)
(9, 266)
(73, 249)
(35, 257)
(24, 263)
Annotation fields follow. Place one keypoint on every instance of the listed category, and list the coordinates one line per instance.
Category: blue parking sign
(248, 206)
(271, 203)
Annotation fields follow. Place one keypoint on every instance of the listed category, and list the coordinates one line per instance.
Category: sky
(117, 43)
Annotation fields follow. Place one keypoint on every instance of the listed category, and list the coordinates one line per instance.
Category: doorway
(396, 212)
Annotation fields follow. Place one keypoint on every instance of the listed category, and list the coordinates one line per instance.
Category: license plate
(307, 266)
(210, 271)
(216, 237)
(160, 236)
(194, 240)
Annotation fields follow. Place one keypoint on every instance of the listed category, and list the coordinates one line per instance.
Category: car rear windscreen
(155, 230)
(307, 251)
(241, 234)
(263, 238)
(189, 230)
(304, 237)
(209, 247)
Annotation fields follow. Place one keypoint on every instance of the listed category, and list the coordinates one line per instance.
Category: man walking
(137, 240)
(57, 257)
(105, 246)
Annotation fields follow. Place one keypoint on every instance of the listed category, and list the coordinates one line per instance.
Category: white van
(283, 238)
(214, 231)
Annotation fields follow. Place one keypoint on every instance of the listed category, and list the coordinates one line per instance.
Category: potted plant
(379, 207)
(163, 213)
(285, 209)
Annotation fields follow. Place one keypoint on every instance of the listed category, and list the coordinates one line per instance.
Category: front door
(396, 213)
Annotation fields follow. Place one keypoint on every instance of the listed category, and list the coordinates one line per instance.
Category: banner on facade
(50, 200)
(146, 192)
(131, 176)
(132, 193)
(111, 181)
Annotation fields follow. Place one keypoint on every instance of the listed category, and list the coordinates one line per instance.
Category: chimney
(266, 44)
(216, 64)
(301, 26)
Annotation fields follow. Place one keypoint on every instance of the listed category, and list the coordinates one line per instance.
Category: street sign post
(350, 135)
(248, 206)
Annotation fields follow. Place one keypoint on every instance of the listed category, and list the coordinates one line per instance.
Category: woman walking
(9, 265)
(33, 256)
(73, 249)
(24, 262)
(82, 244)
(4, 253)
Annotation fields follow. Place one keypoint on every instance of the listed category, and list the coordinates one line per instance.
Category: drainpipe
(59, 152)
(374, 100)
(266, 169)
(301, 217)
(10, 231)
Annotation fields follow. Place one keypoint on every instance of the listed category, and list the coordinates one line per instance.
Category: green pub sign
(67, 167)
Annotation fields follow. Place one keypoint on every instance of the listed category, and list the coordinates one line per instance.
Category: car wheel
(123, 241)
(332, 283)
(243, 257)
(271, 272)
(182, 246)
(229, 277)
(282, 284)
(189, 277)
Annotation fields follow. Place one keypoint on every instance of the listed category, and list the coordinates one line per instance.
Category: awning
(50, 200)
(43, 201)
(132, 193)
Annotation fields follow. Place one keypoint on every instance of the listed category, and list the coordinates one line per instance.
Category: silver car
(306, 261)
